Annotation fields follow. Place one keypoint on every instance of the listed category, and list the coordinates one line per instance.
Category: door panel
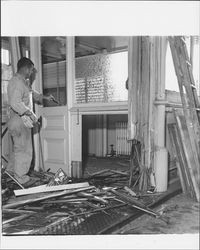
(54, 136)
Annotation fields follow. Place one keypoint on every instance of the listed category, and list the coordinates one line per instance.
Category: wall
(92, 133)
(112, 119)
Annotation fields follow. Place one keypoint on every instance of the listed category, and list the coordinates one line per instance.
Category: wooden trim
(35, 56)
(70, 75)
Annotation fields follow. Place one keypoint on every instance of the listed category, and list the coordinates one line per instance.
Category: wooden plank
(179, 160)
(58, 194)
(183, 161)
(193, 166)
(18, 211)
(118, 172)
(45, 188)
(18, 218)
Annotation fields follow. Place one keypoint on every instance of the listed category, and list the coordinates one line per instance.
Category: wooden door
(54, 134)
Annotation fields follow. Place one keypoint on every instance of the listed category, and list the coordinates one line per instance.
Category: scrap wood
(92, 211)
(90, 204)
(119, 172)
(65, 201)
(135, 204)
(33, 208)
(45, 188)
(21, 211)
(131, 192)
(65, 192)
(14, 179)
(99, 172)
(92, 197)
(21, 217)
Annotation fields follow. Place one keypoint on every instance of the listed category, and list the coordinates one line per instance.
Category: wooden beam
(63, 193)
(45, 188)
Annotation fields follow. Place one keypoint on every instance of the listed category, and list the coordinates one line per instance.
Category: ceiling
(53, 48)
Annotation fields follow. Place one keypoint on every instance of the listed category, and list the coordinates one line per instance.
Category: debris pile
(62, 204)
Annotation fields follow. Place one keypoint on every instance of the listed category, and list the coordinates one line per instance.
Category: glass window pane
(53, 50)
(24, 44)
(101, 67)
(5, 57)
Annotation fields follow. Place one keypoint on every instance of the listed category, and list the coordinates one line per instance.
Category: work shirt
(20, 95)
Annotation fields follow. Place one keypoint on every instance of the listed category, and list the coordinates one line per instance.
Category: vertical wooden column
(70, 75)
(35, 56)
(15, 52)
(147, 121)
(99, 135)
(134, 75)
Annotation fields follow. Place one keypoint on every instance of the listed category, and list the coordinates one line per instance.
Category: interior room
(115, 141)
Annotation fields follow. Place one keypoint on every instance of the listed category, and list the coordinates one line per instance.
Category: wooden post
(134, 58)
(70, 74)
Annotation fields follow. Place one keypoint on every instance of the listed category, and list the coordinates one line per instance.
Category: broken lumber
(119, 172)
(18, 211)
(21, 217)
(45, 188)
(131, 192)
(135, 204)
(65, 201)
(63, 193)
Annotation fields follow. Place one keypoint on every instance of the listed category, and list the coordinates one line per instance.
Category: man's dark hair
(24, 62)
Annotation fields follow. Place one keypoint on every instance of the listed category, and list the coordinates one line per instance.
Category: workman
(22, 119)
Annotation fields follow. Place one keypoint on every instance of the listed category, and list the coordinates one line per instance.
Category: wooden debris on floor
(108, 177)
(37, 214)
(46, 188)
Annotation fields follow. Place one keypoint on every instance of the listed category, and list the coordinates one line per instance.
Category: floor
(94, 164)
(183, 212)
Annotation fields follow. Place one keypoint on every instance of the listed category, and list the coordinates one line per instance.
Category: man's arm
(37, 97)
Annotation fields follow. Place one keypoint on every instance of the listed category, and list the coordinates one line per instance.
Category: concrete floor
(182, 211)
(183, 214)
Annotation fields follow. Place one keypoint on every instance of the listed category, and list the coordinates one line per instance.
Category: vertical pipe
(160, 154)
(105, 135)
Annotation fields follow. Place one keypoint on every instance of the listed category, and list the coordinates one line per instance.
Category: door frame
(75, 111)
(35, 56)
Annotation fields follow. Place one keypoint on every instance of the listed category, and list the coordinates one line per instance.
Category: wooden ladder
(188, 92)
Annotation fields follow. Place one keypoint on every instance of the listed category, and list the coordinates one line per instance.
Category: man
(22, 119)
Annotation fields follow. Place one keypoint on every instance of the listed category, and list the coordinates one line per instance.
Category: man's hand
(34, 118)
(27, 121)
(49, 97)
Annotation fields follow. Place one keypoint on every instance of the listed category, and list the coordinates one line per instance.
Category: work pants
(21, 156)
